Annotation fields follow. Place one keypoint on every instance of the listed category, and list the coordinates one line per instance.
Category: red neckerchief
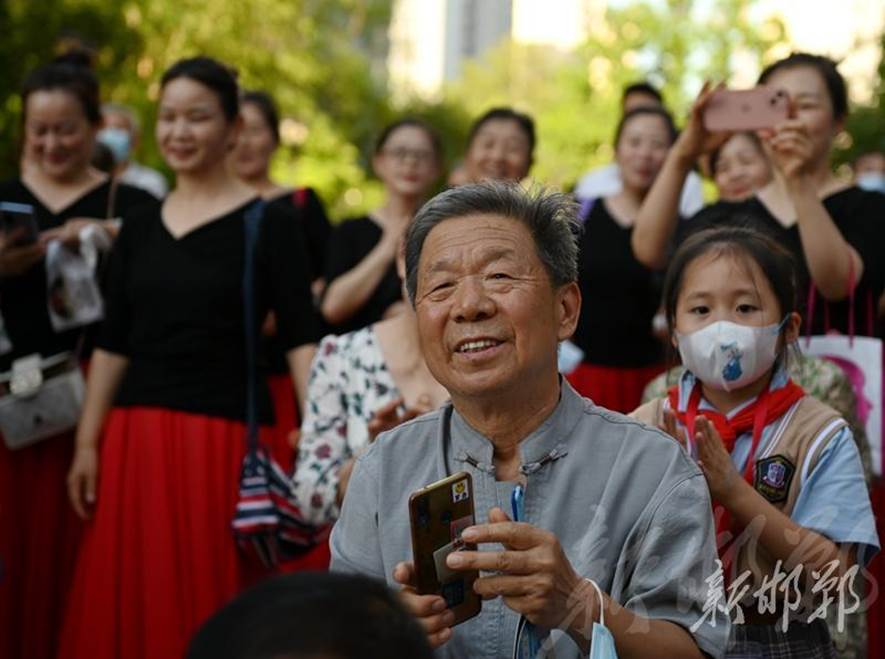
(768, 407)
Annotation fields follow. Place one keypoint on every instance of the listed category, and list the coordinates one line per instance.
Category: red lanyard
(759, 419)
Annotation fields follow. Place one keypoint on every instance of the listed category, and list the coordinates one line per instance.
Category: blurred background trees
(324, 61)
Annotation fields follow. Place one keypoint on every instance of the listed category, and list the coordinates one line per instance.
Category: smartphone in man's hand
(439, 513)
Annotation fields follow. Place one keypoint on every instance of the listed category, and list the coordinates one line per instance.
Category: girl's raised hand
(715, 461)
(671, 427)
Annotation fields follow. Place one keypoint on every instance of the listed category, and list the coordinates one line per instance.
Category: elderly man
(490, 271)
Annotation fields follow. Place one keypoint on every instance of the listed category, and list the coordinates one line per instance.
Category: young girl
(783, 470)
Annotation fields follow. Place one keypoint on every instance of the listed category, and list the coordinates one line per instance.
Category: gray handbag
(41, 398)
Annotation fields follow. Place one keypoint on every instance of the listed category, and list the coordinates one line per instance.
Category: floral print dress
(349, 381)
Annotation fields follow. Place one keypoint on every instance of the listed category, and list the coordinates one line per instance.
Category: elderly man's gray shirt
(629, 507)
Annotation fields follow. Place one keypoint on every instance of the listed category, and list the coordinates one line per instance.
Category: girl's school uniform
(805, 464)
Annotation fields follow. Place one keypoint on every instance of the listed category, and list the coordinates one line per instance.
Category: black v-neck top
(175, 308)
(860, 217)
(619, 296)
(23, 299)
(309, 210)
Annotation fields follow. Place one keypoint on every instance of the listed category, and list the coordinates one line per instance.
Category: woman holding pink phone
(830, 226)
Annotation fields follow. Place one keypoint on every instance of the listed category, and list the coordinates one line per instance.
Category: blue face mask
(569, 357)
(874, 181)
(602, 643)
(118, 141)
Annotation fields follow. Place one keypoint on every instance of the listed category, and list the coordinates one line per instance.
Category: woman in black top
(362, 284)
(619, 295)
(256, 145)
(38, 532)
(167, 388)
(250, 160)
(833, 229)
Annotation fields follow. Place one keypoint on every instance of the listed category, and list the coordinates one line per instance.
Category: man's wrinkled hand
(532, 575)
(430, 610)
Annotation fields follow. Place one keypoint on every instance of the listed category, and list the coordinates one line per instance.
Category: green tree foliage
(866, 125)
(322, 60)
(33, 32)
(314, 56)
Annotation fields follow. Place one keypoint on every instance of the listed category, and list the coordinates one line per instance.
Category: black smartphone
(18, 224)
(438, 514)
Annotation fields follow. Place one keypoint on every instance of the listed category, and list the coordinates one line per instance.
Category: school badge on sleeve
(773, 478)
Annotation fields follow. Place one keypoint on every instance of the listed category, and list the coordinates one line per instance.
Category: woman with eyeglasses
(363, 286)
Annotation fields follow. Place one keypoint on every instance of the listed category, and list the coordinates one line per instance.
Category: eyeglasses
(401, 154)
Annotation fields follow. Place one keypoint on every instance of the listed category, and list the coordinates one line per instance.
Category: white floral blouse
(349, 381)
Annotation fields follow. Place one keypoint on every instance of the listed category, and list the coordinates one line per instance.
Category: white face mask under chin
(728, 356)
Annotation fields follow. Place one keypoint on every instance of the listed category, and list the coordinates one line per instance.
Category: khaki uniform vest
(801, 435)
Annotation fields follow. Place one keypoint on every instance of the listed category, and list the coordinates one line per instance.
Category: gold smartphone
(438, 514)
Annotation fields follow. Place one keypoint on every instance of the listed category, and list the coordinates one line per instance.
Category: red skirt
(615, 388)
(158, 557)
(39, 536)
(285, 409)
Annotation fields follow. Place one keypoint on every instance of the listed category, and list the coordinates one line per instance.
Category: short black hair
(826, 69)
(525, 122)
(413, 122)
(737, 239)
(646, 110)
(310, 614)
(213, 74)
(641, 87)
(70, 73)
(265, 104)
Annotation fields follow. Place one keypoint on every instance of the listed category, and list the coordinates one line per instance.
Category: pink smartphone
(746, 109)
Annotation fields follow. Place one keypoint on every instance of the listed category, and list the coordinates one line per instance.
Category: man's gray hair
(551, 218)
